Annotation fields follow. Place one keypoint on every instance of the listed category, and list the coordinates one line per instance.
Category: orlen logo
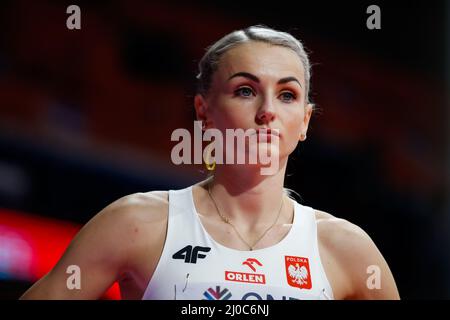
(250, 262)
(257, 278)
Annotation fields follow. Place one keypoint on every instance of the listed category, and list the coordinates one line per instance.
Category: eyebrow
(256, 79)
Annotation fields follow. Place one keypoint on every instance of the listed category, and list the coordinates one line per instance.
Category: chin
(262, 152)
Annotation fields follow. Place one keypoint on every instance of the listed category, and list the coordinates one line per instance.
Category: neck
(246, 197)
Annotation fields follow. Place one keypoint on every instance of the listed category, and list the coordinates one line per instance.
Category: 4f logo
(190, 255)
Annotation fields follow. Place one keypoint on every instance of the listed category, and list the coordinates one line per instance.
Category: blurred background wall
(86, 117)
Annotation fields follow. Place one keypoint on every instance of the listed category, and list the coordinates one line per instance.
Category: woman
(236, 235)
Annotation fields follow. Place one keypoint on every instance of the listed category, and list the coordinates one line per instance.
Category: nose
(266, 112)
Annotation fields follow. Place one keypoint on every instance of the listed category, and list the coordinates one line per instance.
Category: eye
(287, 96)
(244, 92)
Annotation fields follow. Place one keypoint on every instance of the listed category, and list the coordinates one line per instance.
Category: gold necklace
(226, 220)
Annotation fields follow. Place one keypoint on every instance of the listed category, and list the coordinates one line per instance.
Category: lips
(267, 133)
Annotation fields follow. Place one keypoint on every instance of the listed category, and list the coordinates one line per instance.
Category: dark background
(86, 115)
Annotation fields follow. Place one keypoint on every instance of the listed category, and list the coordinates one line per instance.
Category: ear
(308, 112)
(201, 108)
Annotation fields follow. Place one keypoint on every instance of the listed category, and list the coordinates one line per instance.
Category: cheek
(294, 120)
(293, 124)
(231, 114)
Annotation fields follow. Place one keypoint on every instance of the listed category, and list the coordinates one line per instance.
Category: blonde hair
(210, 60)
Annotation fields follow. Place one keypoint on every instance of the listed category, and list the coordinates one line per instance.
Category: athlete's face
(258, 85)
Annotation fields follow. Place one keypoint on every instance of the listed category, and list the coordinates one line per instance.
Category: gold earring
(209, 166)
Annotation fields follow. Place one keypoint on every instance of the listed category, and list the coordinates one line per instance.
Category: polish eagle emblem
(297, 272)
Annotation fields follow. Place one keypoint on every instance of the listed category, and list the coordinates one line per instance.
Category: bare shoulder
(128, 214)
(339, 232)
(140, 218)
(355, 254)
(108, 247)
(149, 206)
(345, 240)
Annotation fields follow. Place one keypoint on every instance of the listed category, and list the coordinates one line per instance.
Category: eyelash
(294, 97)
(237, 93)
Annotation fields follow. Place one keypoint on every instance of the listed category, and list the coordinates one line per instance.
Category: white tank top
(193, 266)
